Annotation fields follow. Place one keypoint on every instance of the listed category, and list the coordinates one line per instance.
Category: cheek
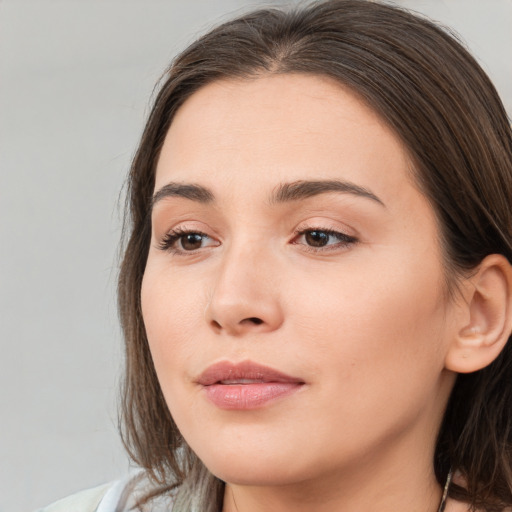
(376, 321)
(172, 314)
(374, 345)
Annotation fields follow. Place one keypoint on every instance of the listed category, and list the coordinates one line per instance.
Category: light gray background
(75, 82)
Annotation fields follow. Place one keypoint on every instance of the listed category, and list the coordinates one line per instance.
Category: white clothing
(118, 496)
(83, 501)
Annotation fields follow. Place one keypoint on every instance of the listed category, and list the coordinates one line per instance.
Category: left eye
(319, 238)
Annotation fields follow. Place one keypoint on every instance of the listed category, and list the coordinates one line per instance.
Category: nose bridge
(245, 296)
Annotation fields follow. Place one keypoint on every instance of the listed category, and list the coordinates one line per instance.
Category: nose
(244, 298)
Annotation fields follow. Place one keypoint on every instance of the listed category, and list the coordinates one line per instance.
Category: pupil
(192, 241)
(317, 238)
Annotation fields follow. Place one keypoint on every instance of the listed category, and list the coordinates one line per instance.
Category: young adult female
(316, 287)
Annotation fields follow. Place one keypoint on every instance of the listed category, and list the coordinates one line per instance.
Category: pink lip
(259, 385)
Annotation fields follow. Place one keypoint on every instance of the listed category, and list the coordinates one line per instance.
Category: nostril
(216, 324)
(255, 320)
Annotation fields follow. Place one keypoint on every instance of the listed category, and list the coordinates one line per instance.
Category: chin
(249, 463)
(254, 473)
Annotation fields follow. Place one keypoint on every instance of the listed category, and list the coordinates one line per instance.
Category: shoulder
(120, 496)
(84, 501)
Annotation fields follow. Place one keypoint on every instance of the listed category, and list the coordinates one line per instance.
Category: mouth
(246, 385)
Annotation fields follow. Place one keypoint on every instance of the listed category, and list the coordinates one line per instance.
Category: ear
(486, 320)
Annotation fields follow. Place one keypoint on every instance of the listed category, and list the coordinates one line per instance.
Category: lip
(246, 385)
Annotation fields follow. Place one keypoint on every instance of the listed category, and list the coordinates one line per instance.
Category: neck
(244, 499)
(390, 497)
(399, 480)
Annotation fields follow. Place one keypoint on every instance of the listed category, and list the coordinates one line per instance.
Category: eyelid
(328, 225)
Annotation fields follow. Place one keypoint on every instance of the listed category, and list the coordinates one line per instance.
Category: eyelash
(168, 242)
(344, 240)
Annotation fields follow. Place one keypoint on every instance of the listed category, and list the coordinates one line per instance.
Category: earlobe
(487, 319)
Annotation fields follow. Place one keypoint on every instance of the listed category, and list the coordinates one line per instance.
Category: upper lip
(245, 370)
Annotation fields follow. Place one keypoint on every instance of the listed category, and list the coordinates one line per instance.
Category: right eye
(179, 241)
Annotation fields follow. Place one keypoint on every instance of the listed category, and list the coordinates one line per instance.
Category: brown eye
(317, 238)
(191, 241)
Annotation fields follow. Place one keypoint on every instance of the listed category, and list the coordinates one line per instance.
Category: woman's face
(294, 296)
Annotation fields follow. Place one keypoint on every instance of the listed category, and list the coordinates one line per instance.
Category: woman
(316, 289)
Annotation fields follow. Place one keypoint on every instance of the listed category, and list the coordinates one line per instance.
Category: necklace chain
(442, 505)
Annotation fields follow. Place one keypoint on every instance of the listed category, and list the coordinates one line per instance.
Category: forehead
(279, 128)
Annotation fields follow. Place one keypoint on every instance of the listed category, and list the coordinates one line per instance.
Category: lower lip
(249, 396)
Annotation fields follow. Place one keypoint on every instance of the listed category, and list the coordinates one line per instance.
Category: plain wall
(75, 82)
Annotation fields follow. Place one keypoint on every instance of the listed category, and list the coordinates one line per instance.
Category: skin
(366, 325)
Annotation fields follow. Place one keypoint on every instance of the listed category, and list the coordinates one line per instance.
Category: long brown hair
(433, 94)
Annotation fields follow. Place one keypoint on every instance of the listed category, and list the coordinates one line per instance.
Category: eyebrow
(188, 191)
(283, 193)
(303, 189)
